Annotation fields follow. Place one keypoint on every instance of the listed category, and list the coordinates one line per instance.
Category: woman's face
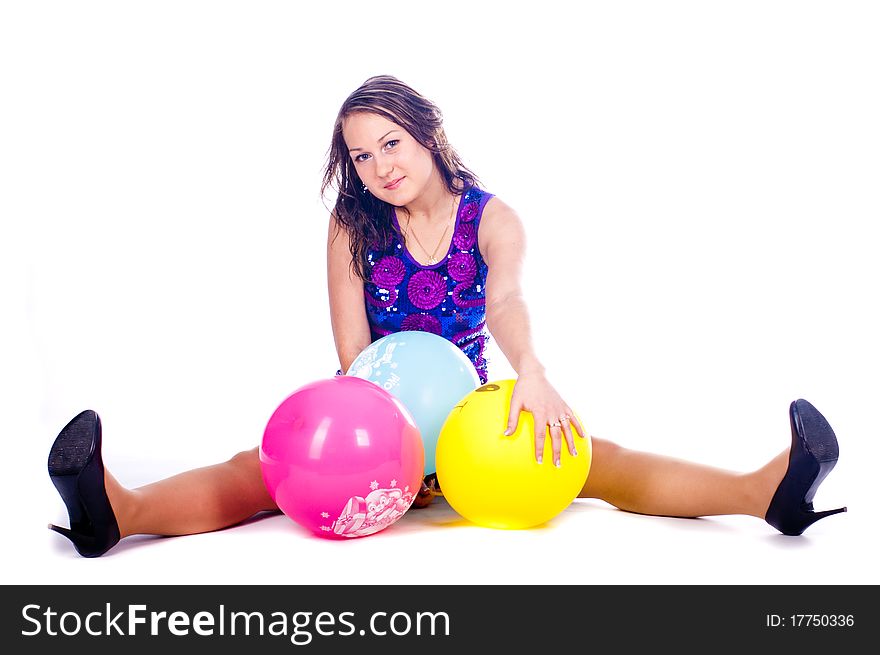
(395, 167)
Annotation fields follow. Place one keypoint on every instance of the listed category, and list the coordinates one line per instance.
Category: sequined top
(447, 298)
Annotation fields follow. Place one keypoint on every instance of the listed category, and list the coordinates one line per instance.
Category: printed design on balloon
(426, 289)
(370, 361)
(422, 323)
(462, 267)
(465, 236)
(364, 515)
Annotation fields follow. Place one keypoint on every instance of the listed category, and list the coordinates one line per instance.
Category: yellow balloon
(493, 480)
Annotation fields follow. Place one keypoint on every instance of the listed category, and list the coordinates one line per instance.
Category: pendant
(432, 261)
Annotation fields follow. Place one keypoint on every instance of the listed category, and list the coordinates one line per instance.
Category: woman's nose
(384, 166)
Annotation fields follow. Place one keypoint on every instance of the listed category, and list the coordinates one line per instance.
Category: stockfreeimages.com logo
(300, 627)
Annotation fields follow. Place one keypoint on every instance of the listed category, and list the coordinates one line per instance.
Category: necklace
(432, 256)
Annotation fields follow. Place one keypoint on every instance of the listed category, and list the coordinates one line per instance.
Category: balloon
(426, 372)
(342, 457)
(494, 480)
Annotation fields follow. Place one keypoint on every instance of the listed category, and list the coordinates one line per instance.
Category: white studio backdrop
(698, 182)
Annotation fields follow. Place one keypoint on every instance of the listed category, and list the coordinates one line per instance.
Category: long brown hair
(367, 219)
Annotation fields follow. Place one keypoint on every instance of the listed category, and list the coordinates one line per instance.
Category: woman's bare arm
(348, 316)
(503, 244)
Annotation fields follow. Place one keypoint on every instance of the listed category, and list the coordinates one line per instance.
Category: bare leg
(200, 500)
(646, 483)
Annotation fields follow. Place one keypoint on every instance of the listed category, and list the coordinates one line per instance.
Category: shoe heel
(85, 545)
(827, 512)
(67, 533)
(810, 518)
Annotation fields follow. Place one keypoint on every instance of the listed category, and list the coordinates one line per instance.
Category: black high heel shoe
(814, 453)
(77, 471)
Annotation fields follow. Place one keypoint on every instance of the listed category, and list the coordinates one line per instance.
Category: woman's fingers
(513, 416)
(569, 437)
(556, 441)
(540, 436)
(577, 424)
(559, 426)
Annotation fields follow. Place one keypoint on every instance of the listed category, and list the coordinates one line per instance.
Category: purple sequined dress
(447, 298)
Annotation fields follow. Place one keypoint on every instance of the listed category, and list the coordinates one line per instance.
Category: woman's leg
(200, 500)
(646, 483)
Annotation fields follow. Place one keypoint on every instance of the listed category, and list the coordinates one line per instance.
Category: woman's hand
(533, 393)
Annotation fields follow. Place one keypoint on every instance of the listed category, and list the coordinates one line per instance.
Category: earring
(364, 189)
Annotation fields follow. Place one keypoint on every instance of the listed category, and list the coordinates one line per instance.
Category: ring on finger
(554, 424)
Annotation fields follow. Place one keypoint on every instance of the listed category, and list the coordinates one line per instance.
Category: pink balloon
(342, 457)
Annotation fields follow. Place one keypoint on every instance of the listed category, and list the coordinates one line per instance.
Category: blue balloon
(427, 373)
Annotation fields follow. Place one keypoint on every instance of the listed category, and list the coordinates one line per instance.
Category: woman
(414, 243)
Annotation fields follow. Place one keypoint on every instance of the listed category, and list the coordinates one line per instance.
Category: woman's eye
(360, 158)
(392, 143)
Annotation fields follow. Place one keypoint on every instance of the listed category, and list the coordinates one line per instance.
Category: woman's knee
(603, 450)
(246, 468)
(246, 461)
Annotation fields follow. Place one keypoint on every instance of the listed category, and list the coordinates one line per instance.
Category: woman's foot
(428, 490)
(814, 452)
(77, 471)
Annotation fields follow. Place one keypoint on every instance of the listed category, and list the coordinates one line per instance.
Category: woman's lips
(393, 185)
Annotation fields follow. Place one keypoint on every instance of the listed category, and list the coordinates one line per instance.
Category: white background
(698, 181)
